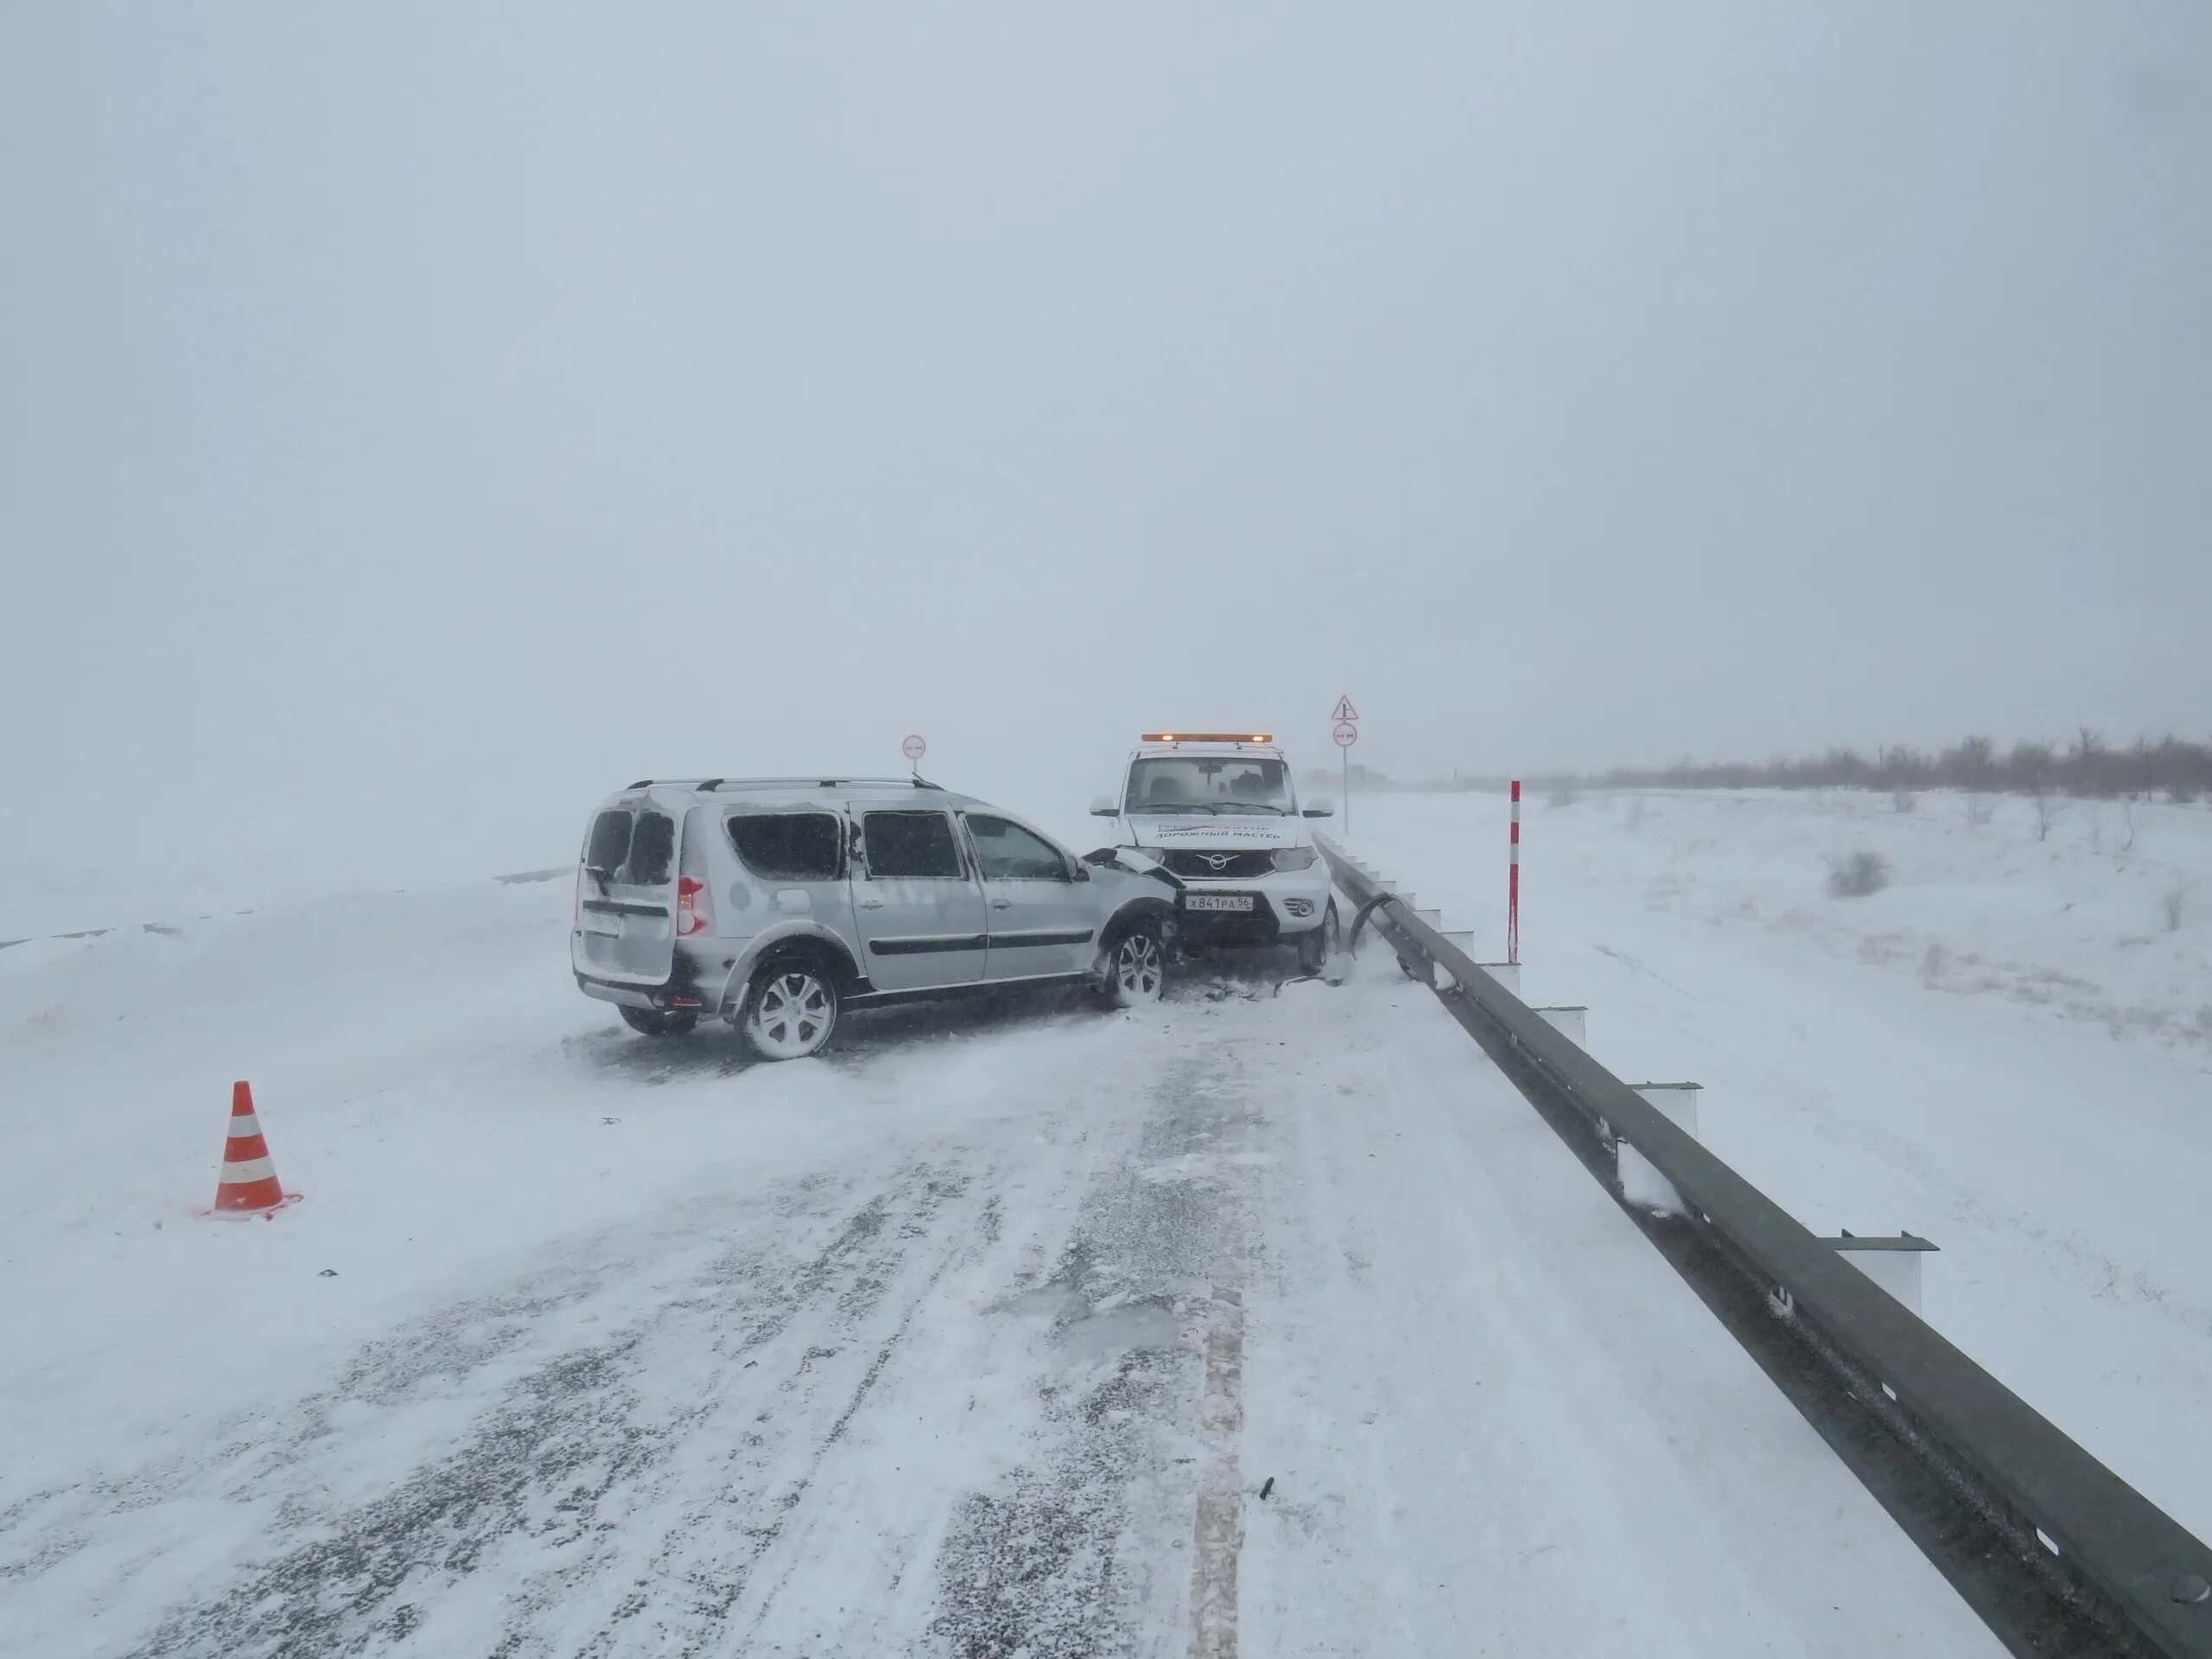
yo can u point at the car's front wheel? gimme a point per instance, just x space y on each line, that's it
791 1010
1136 967
657 1022
1316 946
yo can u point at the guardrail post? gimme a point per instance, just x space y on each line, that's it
1642 1185
1507 974
1571 1022
1892 1263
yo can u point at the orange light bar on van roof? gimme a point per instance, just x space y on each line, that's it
1206 737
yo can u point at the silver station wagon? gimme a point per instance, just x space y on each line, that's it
777 903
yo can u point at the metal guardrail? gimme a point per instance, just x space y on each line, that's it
2055 1552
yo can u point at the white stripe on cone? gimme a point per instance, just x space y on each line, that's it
242 1127
239 1173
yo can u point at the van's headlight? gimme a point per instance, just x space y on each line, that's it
1293 858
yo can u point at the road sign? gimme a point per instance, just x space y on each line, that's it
914 747
1344 710
1346 733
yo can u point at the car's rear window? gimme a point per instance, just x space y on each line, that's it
635 849
788 846
652 850
610 843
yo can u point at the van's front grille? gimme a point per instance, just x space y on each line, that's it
1238 866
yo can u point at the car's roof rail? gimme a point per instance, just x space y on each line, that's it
817 782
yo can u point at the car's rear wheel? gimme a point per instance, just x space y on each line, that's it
1318 945
1136 967
791 1010
658 1022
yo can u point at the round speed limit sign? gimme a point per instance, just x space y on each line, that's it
914 749
1346 733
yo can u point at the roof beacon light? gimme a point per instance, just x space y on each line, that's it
1205 737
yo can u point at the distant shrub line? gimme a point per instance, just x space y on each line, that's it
2089 767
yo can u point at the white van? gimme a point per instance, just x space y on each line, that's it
1220 811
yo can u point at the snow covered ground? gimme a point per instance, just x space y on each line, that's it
2008 1050
980 1337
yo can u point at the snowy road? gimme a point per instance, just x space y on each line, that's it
981 1338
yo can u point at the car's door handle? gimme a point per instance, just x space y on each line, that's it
871 904
1002 903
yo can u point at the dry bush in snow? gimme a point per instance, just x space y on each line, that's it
1854 875
2046 811
2176 897
1977 811
1902 801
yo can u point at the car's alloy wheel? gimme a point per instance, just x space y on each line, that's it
792 1012
1137 970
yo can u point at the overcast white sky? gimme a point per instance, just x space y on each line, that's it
508 401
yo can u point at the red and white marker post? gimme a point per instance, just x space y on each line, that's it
1513 883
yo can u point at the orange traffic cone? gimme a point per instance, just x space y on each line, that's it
249 1184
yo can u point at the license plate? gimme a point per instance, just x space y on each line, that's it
606 922
1217 901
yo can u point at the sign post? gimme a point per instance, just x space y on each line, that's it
1346 733
914 749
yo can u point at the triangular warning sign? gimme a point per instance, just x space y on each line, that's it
1344 710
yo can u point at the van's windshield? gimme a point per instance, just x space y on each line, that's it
1208 783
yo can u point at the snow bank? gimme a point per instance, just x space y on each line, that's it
2007 1051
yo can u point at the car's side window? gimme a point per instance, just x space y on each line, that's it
789 846
910 844
1007 852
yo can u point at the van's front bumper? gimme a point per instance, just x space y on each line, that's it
1283 905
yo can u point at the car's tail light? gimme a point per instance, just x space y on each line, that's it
693 913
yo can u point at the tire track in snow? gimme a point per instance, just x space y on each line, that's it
1076 1553
1219 1536
560 1462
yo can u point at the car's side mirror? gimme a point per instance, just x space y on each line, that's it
1081 871
1323 807
1102 806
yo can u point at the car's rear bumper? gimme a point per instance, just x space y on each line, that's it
630 996
679 992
